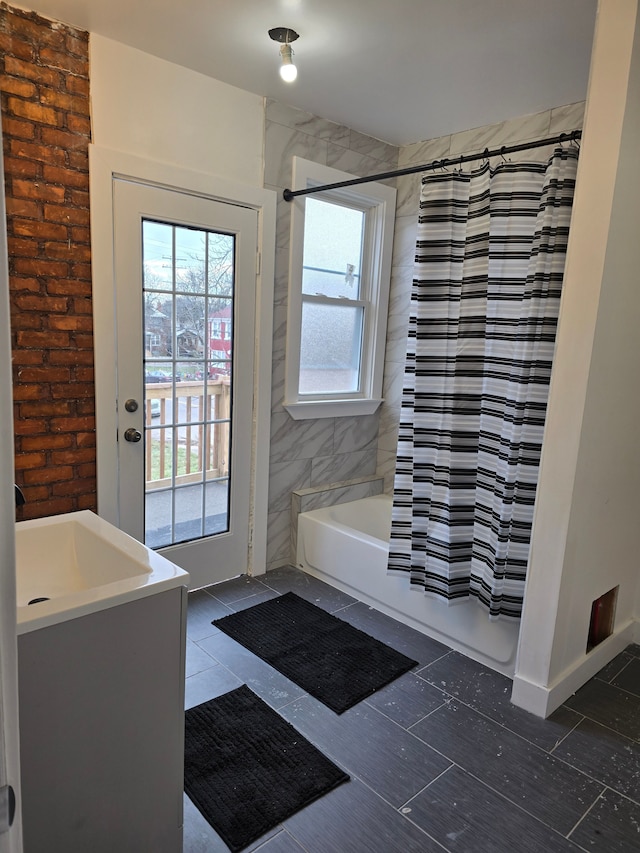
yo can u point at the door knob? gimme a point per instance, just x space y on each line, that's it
132 434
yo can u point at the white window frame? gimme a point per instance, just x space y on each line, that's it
378 201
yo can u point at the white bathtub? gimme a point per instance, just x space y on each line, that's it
348 545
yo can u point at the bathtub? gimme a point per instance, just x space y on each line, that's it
348 546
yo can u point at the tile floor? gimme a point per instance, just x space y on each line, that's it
440 759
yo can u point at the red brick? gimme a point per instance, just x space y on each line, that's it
72 391
73 487
67 251
27 392
17 127
81 271
27 356
88 501
25 168
37 266
79 159
17 246
63 61
20 66
33 151
35 493
70 357
73 457
83 374
54 506
13 47
82 306
86 439
72 424
86 407
77 85
71 324
24 322
35 29
23 207
33 302
67 215
34 112
83 341
29 460
69 287
61 101
40 340
87 469
31 426
80 234
44 408
46 442
66 177
79 124
79 198
49 474
39 230
38 190
23 283
43 374
15 86
63 138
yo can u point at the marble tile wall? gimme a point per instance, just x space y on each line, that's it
311 454
513 131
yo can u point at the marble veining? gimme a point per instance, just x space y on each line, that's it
300 439
344 466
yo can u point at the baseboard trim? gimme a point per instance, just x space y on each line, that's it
543 700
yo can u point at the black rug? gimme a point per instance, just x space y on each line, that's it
327 657
246 769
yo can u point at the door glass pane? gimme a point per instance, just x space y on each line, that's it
332 252
188 279
331 344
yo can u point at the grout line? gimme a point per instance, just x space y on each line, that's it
577 824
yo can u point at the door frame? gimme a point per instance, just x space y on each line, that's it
104 165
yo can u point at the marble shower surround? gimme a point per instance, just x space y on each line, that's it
524 129
311 454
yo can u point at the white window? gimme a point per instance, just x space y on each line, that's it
339 272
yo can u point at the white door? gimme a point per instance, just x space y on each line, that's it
185 269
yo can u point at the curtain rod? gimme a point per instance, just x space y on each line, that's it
289 195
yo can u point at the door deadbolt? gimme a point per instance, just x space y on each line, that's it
131 405
132 434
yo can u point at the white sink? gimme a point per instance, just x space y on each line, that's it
79 564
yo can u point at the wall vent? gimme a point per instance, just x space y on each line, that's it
603 611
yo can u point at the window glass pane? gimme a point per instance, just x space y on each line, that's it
220 324
190 253
220 249
157 255
190 326
330 349
332 244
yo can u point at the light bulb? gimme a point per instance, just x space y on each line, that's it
288 70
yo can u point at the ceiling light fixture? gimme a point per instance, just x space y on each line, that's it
285 36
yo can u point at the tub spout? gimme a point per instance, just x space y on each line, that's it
20 498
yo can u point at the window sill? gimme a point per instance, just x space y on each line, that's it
300 411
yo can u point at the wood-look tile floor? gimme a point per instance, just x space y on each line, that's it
440 759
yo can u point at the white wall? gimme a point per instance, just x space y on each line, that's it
152 108
584 539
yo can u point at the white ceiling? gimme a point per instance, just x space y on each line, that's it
399 70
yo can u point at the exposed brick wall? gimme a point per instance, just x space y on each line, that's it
44 90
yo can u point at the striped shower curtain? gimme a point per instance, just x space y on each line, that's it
490 258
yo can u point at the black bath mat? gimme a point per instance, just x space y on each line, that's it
327 657
246 769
